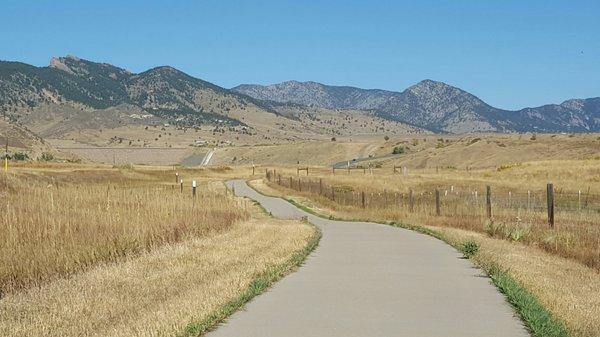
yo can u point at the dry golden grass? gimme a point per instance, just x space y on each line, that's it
576 234
490 150
307 152
98 251
56 221
566 288
421 151
159 292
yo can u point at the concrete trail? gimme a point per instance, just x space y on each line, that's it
207 158
368 279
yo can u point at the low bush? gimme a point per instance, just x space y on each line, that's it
398 150
469 248
47 156
20 156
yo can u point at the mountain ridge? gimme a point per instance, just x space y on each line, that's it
169 93
74 99
88 85
436 106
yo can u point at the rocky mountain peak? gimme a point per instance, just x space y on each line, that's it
429 88
84 68
58 63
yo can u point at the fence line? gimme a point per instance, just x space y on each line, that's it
451 200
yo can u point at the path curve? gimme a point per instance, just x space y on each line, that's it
368 279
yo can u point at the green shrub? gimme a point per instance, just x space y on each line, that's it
398 150
47 156
469 248
20 156
491 228
516 232
519 232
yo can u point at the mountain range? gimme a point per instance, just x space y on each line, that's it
162 91
436 106
88 92
98 104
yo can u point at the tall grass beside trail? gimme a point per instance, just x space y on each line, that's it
516 217
56 224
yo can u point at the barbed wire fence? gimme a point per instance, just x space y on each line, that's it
453 200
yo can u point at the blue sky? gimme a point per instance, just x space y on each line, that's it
510 53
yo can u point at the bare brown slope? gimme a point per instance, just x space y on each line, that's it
20 139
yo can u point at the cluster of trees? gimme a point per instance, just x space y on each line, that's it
21 156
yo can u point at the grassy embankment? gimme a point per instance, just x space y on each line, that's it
100 251
518 201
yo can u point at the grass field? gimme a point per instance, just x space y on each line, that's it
126 245
419 151
64 222
518 200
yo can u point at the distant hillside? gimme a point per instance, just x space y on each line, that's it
20 139
436 106
163 91
98 103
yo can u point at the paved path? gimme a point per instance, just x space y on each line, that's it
356 161
369 279
207 158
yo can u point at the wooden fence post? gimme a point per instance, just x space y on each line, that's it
320 186
411 201
362 197
291 186
488 201
385 201
437 202
181 185
299 185
194 188
550 197
176 177
587 196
